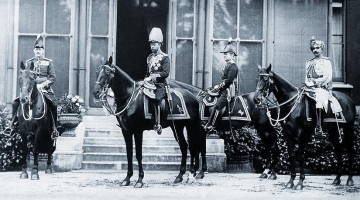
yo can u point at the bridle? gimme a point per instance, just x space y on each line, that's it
30 103
265 92
110 73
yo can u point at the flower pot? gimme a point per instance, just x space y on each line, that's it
69 120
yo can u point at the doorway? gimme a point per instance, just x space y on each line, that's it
135 19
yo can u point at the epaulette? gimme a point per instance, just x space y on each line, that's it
326 58
311 59
47 59
164 54
30 60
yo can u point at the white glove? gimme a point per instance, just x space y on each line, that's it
309 84
41 86
147 78
216 86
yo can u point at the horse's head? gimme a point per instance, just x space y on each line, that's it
264 84
104 74
26 82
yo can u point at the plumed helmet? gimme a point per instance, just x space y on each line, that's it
39 42
229 48
316 43
156 35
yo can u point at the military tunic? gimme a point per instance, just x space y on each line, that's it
45 74
228 75
319 71
159 67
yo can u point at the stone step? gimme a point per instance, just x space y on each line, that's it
121 141
147 157
122 148
108 132
147 166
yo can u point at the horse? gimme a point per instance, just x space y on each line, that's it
297 129
257 115
130 110
35 122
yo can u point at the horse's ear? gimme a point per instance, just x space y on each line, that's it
268 69
22 66
110 60
32 66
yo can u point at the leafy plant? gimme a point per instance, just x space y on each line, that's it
10 145
70 104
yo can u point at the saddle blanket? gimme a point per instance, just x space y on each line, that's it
238 109
179 109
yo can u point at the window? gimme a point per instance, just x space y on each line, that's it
54 21
336 37
243 21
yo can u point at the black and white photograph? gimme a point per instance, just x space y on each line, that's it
179 99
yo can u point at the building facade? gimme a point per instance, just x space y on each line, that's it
81 34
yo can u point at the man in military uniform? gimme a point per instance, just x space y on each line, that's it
158 70
45 77
319 78
229 74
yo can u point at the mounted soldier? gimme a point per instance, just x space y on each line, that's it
318 79
45 77
226 89
158 64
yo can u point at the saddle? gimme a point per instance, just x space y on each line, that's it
238 108
173 106
333 112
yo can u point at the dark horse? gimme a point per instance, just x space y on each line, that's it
130 115
297 129
261 123
35 122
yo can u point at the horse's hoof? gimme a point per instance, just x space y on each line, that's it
48 171
125 183
263 175
201 175
34 176
272 177
336 182
178 180
24 175
350 182
191 178
138 184
299 186
289 185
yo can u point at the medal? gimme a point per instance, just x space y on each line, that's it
156 68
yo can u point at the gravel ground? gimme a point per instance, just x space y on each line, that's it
158 185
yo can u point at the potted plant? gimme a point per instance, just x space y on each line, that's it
70 110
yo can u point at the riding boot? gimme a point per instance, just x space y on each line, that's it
211 124
318 129
14 119
157 126
55 132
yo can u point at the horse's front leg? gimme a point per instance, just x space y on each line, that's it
129 154
24 174
290 184
35 171
48 169
301 153
183 148
138 145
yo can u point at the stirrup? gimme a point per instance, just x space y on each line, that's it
54 134
318 130
158 129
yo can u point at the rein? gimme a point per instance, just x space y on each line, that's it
106 104
30 110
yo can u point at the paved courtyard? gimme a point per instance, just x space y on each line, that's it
158 185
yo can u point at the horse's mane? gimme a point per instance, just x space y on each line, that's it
283 80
